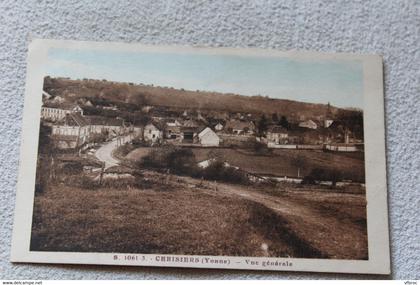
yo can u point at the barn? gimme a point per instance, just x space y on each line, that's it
208 137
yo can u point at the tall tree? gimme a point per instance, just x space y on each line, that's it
275 117
284 122
262 125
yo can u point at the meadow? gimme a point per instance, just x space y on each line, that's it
183 215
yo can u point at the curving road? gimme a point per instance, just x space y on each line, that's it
104 153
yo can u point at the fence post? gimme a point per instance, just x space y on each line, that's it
102 173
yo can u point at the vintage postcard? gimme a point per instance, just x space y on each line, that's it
179 156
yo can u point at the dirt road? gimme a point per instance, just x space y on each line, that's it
104 153
328 231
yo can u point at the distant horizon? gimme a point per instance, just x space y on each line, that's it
338 82
205 91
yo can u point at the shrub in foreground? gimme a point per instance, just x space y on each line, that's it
181 161
321 174
219 171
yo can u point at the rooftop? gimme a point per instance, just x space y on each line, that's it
104 121
276 129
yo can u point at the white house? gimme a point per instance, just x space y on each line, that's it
45 95
152 133
309 124
58 112
238 127
71 132
88 103
101 125
328 123
136 130
218 127
208 137
277 135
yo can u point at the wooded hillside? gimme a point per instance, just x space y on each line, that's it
179 98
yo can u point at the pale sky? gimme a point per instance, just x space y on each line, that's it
339 82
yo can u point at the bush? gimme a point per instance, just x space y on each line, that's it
308 180
98 137
120 183
181 161
156 158
214 171
82 181
138 142
258 147
322 174
220 172
72 168
123 150
176 160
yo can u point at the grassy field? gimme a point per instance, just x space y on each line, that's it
280 161
151 221
189 216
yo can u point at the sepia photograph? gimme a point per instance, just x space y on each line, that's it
163 153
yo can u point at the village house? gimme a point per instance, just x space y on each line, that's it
46 96
189 131
56 112
208 137
106 125
173 129
328 123
238 127
111 107
277 135
309 124
218 127
146 109
71 132
152 133
136 130
57 100
201 118
88 103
